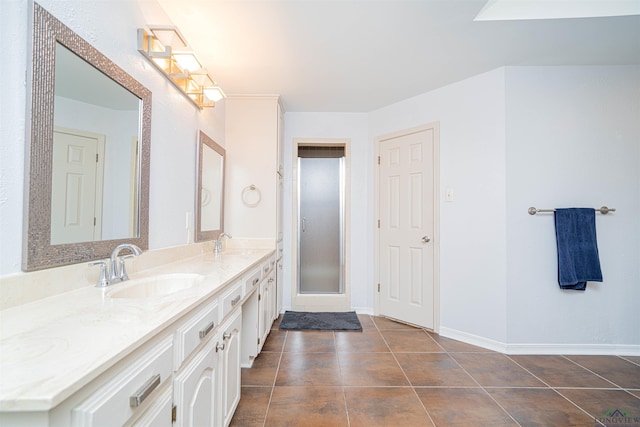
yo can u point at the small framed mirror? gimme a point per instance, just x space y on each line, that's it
209 209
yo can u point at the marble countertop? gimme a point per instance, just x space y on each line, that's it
51 348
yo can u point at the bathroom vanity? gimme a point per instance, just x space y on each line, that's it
164 348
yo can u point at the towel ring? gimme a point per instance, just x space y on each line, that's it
251 192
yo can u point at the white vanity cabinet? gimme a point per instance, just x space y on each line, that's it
177 363
207 386
207 389
258 310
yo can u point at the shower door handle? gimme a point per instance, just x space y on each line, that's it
304 224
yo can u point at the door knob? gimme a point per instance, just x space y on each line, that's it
426 239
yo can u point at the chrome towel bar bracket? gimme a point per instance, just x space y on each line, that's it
603 210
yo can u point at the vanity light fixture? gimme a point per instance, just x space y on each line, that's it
168 51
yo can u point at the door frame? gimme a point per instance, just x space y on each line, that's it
435 126
321 302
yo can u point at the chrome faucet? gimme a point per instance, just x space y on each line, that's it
118 272
115 272
217 244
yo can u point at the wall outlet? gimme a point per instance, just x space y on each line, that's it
448 195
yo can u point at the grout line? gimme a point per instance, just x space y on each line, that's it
275 378
344 394
415 393
593 372
552 388
629 360
484 389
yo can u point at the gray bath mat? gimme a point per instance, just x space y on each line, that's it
302 320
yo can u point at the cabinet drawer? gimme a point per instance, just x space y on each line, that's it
253 280
232 298
118 400
159 412
198 327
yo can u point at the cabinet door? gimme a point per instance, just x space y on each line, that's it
273 304
195 392
265 312
230 367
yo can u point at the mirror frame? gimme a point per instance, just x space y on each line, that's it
200 235
38 252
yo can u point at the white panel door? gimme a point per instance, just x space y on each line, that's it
407 225
76 197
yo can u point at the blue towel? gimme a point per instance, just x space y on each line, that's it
578 261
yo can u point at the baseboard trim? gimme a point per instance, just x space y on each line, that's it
582 349
473 339
363 310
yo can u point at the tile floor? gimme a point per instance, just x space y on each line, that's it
394 375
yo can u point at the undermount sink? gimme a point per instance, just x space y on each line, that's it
156 286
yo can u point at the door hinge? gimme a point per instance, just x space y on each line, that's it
96 157
378 287
378 159
174 414
94 221
258 341
259 297
378 223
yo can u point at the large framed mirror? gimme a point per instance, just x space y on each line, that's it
209 210
87 166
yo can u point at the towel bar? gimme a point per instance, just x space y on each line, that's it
603 210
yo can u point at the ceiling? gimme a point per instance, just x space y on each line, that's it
360 55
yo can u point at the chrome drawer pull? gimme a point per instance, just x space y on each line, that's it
235 300
255 281
219 347
226 336
144 391
205 331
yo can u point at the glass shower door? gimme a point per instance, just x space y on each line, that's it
320 223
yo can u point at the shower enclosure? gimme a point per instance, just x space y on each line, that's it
321 218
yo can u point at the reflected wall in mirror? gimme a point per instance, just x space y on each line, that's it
209 210
94 118
88 156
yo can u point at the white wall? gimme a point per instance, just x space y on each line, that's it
175 121
354 127
573 139
472 227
